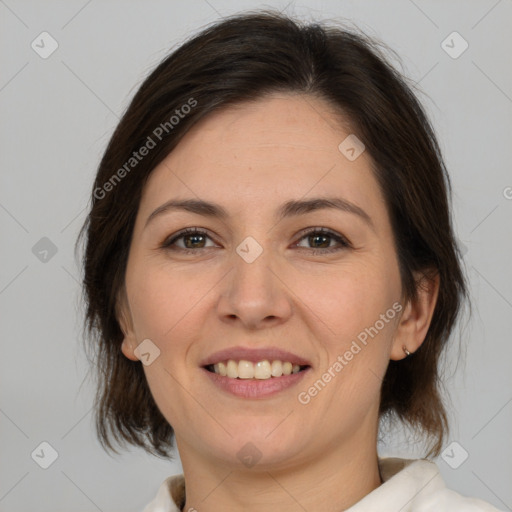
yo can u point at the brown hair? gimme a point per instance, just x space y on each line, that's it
242 58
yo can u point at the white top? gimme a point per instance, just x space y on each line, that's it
408 486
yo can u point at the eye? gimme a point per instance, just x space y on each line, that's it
322 237
193 239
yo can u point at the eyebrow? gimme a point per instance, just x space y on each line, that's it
289 209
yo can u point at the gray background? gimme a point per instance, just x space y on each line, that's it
56 117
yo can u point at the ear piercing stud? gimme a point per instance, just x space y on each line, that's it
407 353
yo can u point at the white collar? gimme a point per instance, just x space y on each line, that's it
408 485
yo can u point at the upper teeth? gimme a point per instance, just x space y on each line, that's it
248 370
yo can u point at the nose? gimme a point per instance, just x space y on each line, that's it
255 295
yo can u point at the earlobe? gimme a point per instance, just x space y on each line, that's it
127 350
415 320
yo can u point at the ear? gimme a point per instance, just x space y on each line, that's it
124 317
417 315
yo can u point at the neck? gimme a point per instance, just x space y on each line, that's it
334 481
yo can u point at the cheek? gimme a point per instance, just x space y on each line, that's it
168 308
361 323
351 301
164 302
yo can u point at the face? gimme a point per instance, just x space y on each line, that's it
321 283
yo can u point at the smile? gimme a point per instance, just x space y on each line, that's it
254 373
261 370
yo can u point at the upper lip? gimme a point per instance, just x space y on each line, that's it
254 355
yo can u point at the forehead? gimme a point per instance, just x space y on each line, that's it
277 122
283 142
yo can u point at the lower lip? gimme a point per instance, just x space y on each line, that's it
255 388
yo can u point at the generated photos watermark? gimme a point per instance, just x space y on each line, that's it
304 397
151 142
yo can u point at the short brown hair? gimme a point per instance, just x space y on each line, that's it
243 58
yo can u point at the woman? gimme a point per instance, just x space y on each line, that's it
220 323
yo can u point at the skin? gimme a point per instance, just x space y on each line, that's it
250 159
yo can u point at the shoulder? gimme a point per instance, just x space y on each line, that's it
170 496
446 499
421 483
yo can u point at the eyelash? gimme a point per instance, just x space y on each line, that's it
345 244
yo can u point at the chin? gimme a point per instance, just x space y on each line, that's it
253 447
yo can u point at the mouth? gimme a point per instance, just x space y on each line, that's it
254 373
259 370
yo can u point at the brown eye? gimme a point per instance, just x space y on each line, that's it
321 239
193 239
